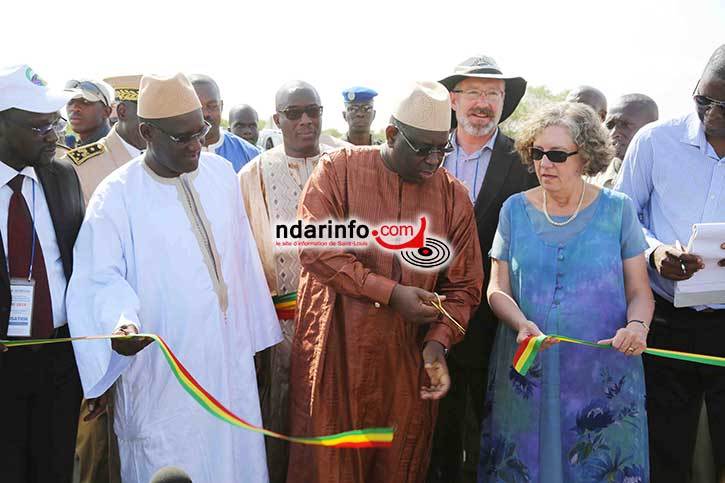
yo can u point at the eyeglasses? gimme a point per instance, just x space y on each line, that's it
707 102
185 138
88 86
355 108
475 94
295 113
58 125
426 151
553 156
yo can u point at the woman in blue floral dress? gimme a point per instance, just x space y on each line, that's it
568 259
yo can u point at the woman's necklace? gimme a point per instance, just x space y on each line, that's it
576 212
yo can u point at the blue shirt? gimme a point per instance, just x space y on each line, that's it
675 179
234 149
470 168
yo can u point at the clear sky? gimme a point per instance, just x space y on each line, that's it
251 47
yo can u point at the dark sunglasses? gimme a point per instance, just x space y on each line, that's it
185 138
355 108
426 151
295 113
704 101
88 86
553 156
58 126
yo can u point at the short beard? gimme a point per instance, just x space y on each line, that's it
475 131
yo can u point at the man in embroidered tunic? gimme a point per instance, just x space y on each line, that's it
271 186
369 347
166 248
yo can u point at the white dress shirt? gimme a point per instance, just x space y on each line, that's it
44 229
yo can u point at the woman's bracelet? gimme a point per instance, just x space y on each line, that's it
638 322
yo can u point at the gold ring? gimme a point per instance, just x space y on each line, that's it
630 350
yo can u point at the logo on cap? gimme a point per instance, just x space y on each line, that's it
350 96
34 78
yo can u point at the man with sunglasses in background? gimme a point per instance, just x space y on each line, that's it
359 114
484 159
369 349
89 109
96 447
229 146
166 248
271 185
674 171
41 209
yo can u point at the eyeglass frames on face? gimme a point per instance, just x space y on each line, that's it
355 108
554 156
295 113
426 151
58 125
185 138
708 102
491 95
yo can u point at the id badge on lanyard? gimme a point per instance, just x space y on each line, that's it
22 292
20 323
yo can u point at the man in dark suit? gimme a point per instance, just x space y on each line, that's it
41 210
485 161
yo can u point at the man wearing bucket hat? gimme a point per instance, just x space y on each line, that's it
483 158
368 349
89 109
41 209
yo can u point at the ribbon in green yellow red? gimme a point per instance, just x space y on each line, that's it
527 350
362 438
285 305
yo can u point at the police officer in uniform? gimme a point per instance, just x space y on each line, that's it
359 114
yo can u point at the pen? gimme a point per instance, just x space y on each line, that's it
678 245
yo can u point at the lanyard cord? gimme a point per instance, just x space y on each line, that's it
475 176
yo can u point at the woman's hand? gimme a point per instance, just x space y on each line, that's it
630 340
528 329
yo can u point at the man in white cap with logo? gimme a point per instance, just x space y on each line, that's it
369 346
483 158
166 248
41 209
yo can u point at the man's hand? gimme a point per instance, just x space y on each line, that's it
129 347
96 407
413 304
434 358
530 329
675 264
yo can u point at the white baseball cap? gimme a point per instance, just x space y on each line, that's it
21 88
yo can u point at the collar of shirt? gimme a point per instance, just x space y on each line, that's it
7 173
694 135
132 150
213 147
465 156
